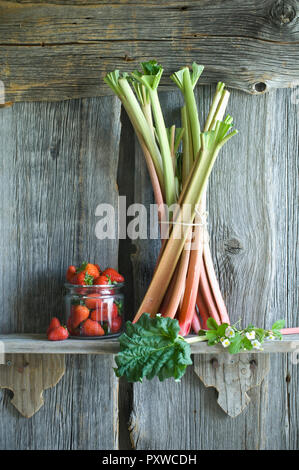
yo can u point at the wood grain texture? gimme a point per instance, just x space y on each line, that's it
38 344
27 376
232 377
57 163
253 225
50 51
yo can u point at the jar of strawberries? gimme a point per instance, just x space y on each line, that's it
94 302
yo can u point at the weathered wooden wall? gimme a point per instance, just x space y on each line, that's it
62 49
58 161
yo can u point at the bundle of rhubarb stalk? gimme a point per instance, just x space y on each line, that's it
179 160
184 294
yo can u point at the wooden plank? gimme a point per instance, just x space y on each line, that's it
253 231
38 344
50 52
233 377
27 376
58 162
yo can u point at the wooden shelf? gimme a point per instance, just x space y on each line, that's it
30 364
38 344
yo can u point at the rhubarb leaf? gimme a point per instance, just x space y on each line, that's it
152 347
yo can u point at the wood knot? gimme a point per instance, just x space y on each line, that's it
233 246
128 58
260 87
283 12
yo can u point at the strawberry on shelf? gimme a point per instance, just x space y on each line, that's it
91 328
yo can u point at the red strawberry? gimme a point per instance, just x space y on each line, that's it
98 268
113 275
91 328
76 280
69 325
110 312
89 269
93 301
71 271
55 323
101 281
58 334
105 313
82 279
79 314
115 324
95 315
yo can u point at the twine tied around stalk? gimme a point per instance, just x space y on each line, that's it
202 215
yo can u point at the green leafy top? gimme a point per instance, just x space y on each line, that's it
151 67
152 347
151 76
82 267
178 77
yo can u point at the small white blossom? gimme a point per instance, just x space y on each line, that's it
250 335
270 337
225 342
229 332
257 345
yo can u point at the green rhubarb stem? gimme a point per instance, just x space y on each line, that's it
187 147
214 105
169 180
147 111
154 180
140 123
208 280
194 339
146 108
156 183
178 138
210 147
192 113
220 110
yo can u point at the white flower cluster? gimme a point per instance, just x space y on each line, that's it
255 343
230 333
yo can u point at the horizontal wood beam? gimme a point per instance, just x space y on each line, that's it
38 344
62 50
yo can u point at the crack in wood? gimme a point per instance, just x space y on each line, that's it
134 40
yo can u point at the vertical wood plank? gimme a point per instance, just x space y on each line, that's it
58 162
253 229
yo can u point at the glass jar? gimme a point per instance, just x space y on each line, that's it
94 311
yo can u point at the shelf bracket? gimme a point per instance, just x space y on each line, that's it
27 376
232 376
